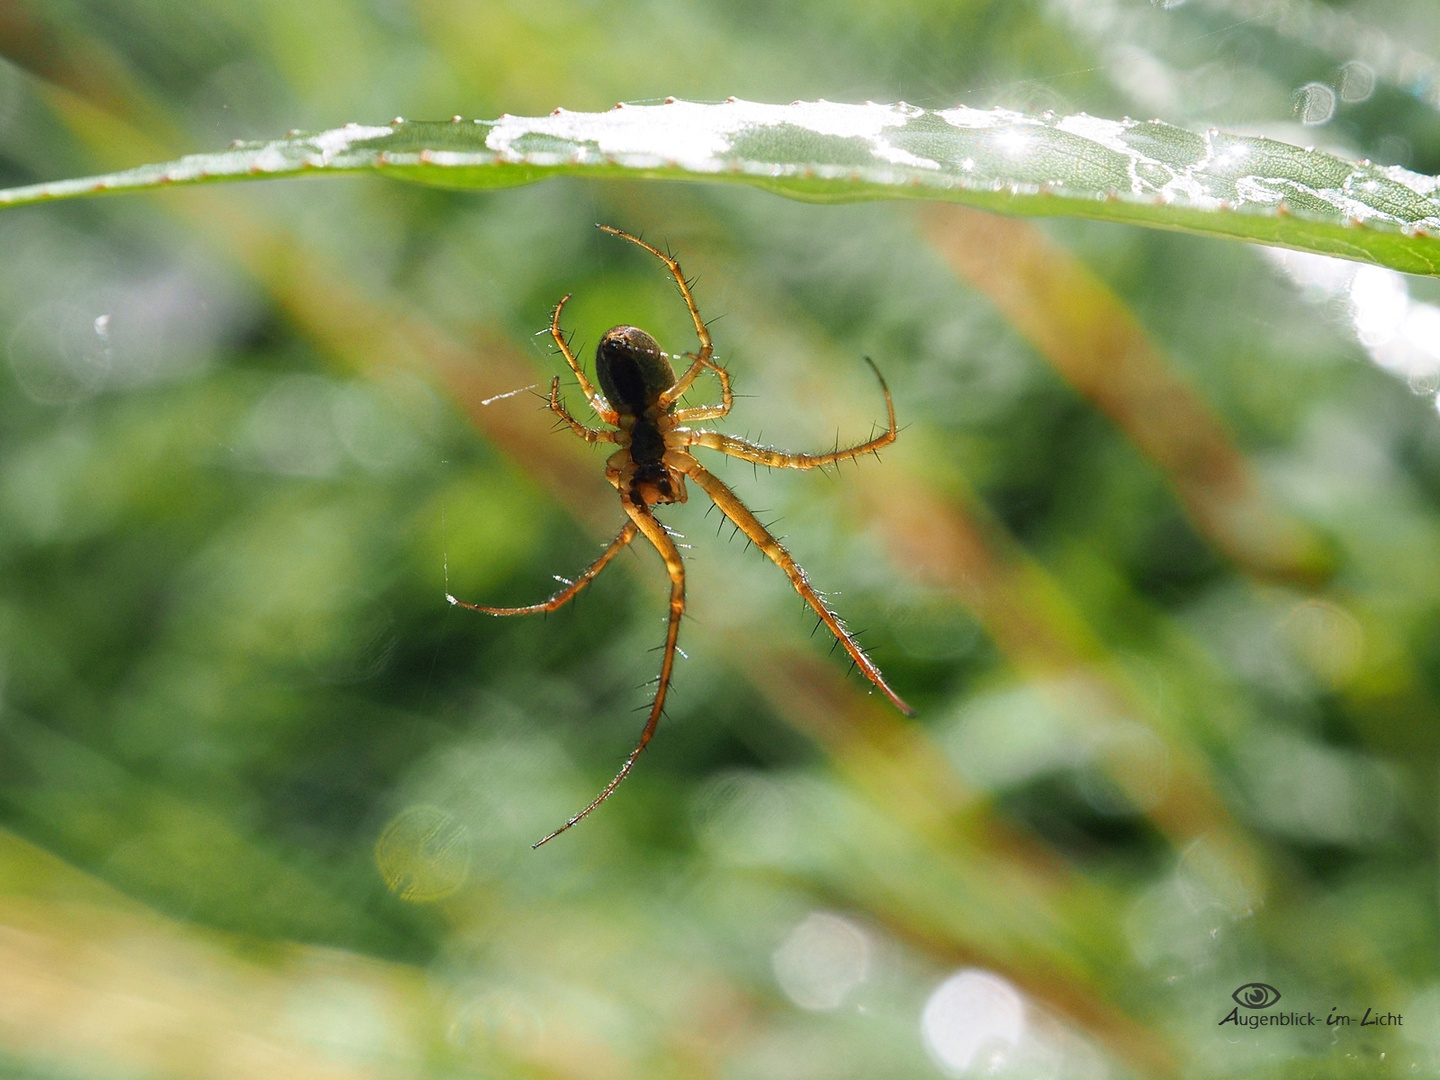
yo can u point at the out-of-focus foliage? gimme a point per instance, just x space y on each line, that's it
1155 557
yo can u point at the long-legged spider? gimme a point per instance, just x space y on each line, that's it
650 467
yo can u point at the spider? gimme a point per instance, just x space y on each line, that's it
649 468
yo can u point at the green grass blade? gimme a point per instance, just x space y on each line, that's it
1145 173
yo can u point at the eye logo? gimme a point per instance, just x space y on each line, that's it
1256 995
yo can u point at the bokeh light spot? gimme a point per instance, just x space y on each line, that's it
821 961
59 355
1357 81
290 431
972 1022
423 854
1327 637
1314 103
1379 302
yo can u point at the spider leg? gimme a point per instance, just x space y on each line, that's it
642 519
566 594
731 506
590 435
598 403
708 412
707 348
783 459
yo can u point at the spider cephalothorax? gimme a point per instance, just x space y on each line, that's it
651 463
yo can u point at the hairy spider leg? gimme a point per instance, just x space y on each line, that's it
707 412
707 348
641 518
566 594
591 435
731 506
782 459
599 404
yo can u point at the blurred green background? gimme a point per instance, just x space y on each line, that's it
1157 558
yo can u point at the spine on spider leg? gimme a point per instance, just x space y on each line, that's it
757 534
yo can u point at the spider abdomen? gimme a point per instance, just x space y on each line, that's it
632 369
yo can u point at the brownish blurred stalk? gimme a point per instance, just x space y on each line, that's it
1095 343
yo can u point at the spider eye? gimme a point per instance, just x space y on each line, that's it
1256 995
